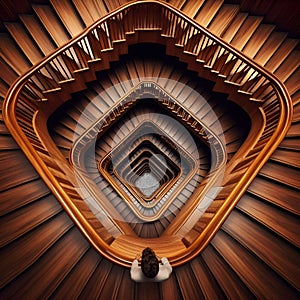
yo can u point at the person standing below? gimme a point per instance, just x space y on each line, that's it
150 270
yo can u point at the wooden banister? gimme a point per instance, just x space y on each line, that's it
211 53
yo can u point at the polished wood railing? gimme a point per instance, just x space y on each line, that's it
125 103
27 99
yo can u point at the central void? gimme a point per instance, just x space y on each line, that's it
147 184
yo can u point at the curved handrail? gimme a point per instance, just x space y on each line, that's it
164 97
28 85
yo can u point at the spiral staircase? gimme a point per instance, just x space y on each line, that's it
217 90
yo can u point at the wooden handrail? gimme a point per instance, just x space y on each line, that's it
235 68
163 97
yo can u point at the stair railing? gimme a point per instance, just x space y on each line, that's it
24 100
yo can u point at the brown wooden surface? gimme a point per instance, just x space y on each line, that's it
61 264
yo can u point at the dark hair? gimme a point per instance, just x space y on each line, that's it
149 264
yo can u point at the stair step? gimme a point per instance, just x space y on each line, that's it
289 66
244 229
223 18
258 39
281 54
191 8
217 264
245 32
25 42
178 3
293 85
271 192
90 11
278 171
52 24
68 16
233 27
265 52
38 33
7 74
12 55
275 219
207 12
243 262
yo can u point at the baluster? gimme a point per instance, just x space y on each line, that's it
179 32
193 42
264 92
121 28
60 64
39 81
54 73
228 65
128 20
212 55
32 92
81 56
250 81
233 74
220 60
87 48
201 53
240 73
115 29
104 37
173 23
94 45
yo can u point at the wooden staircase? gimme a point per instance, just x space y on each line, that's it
67 119
255 254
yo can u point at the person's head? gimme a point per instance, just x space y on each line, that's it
149 264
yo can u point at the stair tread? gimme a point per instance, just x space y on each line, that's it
90 11
288 157
258 39
7 74
230 283
223 18
248 232
274 218
233 27
38 33
270 46
68 16
30 191
292 83
48 232
188 283
242 262
245 32
28 218
12 55
86 267
208 11
191 8
289 66
52 24
43 268
279 172
25 42
178 3
285 48
272 192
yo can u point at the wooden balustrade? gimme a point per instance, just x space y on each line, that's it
187 37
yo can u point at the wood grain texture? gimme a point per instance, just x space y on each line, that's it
46 256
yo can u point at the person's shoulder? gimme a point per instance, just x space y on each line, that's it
164 260
135 263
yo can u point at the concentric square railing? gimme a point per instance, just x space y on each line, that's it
29 99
